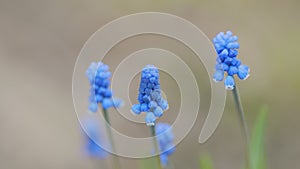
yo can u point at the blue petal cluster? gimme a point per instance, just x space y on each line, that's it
165 139
150 99
227 47
94 134
99 75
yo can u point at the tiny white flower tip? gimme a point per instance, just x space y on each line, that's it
229 87
150 124
215 80
246 77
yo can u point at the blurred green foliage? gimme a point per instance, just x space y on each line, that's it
256 149
148 163
257 159
206 162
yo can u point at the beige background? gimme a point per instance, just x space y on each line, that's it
39 43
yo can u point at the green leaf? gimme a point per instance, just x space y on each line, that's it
206 162
256 145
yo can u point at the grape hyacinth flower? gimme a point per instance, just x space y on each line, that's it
165 140
100 93
227 46
149 97
93 136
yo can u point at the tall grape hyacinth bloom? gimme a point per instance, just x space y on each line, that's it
165 140
227 46
149 97
151 102
100 93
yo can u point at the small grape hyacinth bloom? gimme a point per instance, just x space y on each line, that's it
99 75
227 46
93 136
165 138
149 97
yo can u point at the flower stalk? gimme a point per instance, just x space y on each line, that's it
156 149
116 162
240 110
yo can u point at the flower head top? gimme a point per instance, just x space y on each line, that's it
99 77
150 99
227 46
93 136
165 140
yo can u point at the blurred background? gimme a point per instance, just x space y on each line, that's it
40 41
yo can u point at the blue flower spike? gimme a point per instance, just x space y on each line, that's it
99 75
149 97
227 46
93 136
165 138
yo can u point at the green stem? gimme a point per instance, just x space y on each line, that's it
239 108
116 161
155 146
